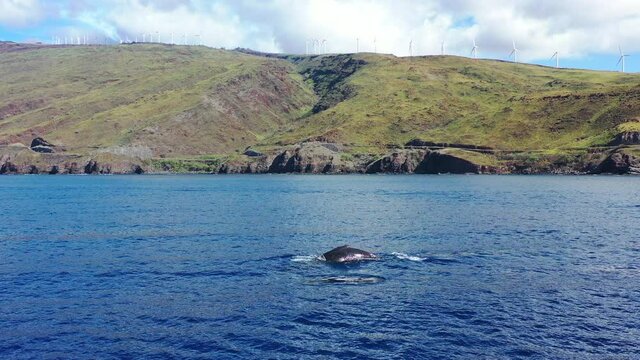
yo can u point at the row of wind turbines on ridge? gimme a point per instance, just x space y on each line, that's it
175 39
556 55
315 47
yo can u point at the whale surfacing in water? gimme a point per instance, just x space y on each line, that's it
346 253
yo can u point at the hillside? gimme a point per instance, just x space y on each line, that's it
196 109
482 102
171 100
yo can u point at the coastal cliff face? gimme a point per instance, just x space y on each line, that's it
327 158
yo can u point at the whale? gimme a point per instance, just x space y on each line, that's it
345 253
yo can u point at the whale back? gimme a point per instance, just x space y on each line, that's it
345 253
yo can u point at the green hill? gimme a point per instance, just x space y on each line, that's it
482 102
168 106
170 99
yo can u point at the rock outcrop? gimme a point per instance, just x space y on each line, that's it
400 162
22 160
439 163
626 138
619 162
41 145
252 153
426 162
8 167
258 166
310 158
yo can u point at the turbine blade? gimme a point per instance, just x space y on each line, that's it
619 60
512 51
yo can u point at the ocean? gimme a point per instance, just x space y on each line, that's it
221 267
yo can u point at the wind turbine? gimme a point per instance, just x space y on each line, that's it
375 46
514 52
474 50
442 49
324 46
410 47
357 45
555 55
622 56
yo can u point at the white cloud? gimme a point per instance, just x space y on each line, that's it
539 27
19 12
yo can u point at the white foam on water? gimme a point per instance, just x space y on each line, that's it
305 258
352 279
403 256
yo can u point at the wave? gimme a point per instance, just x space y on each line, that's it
306 258
403 256
348 280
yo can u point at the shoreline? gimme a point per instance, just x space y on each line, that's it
317 157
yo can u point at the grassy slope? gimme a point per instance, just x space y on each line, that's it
182 101
492 103
173 100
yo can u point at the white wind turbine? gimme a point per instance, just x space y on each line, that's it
622 56
324 46
442 48
474 50
357 45
555 55
375 46
514 53
410 47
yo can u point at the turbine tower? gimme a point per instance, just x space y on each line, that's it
375 46
442 49
474 50
622 56
357 45
514 52
555 55
410 47
324 46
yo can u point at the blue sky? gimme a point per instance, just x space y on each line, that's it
586 33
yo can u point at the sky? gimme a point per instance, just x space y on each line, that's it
586 33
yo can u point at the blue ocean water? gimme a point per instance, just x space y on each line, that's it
225 267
